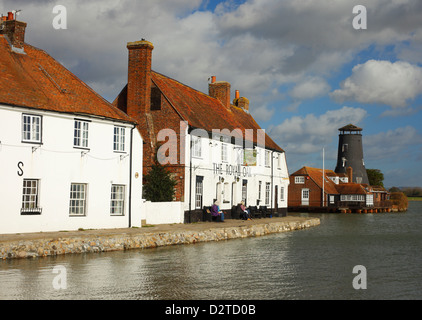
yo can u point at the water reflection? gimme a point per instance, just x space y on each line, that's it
310 264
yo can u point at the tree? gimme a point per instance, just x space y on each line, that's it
159 184
394 189
400 200
375 177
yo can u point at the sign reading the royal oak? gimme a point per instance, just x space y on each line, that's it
231 170
237 170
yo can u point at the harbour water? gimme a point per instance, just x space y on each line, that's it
315 263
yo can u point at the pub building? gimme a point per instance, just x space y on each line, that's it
211 144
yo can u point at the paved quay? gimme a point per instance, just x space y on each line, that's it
41 244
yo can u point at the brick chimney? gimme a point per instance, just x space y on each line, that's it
14 30
241 102
220 90
350 174
139 78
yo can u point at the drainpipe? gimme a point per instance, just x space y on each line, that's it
272 184
190 177
130 177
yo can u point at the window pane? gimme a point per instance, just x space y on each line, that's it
77 199
117 200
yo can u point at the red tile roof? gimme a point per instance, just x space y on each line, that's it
330 187
351 188
36 80
205 112
316 175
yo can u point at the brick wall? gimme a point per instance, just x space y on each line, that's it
295 192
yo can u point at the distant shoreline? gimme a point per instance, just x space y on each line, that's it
414 198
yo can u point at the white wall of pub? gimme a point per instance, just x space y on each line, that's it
223 178
56 163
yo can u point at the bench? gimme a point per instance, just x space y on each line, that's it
255 212
265 212
237 212
209 217
207 214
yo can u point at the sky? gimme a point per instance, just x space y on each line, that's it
308 67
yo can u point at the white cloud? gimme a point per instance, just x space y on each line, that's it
262 113
381 82
257 46
308 134
392 145
309 88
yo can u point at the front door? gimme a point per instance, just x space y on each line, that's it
305 197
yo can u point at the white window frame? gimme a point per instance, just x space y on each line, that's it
279 162
30 196
241 157
117 200
281 193
259 189
267 158
119 139
196 146
78 196
267 193
224 155
299 180
80 133
31 128
199 191
352 197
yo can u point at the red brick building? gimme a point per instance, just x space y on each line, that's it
163 105
318 190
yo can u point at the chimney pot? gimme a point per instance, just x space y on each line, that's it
15 32
213 79
237 95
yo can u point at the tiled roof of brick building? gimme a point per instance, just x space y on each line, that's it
330 187
351 188
316 175
205 112
34 79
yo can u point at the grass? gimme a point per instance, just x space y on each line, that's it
414 198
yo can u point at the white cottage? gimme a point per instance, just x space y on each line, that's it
68 158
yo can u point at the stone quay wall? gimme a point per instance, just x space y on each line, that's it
105 242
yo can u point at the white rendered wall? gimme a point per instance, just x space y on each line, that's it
163 212
57 164
214 170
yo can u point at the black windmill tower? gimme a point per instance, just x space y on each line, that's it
350 153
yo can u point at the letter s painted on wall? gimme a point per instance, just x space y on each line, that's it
20 167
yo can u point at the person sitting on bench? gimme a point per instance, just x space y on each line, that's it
246 212
216 212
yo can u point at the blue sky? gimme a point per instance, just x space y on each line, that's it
302 65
